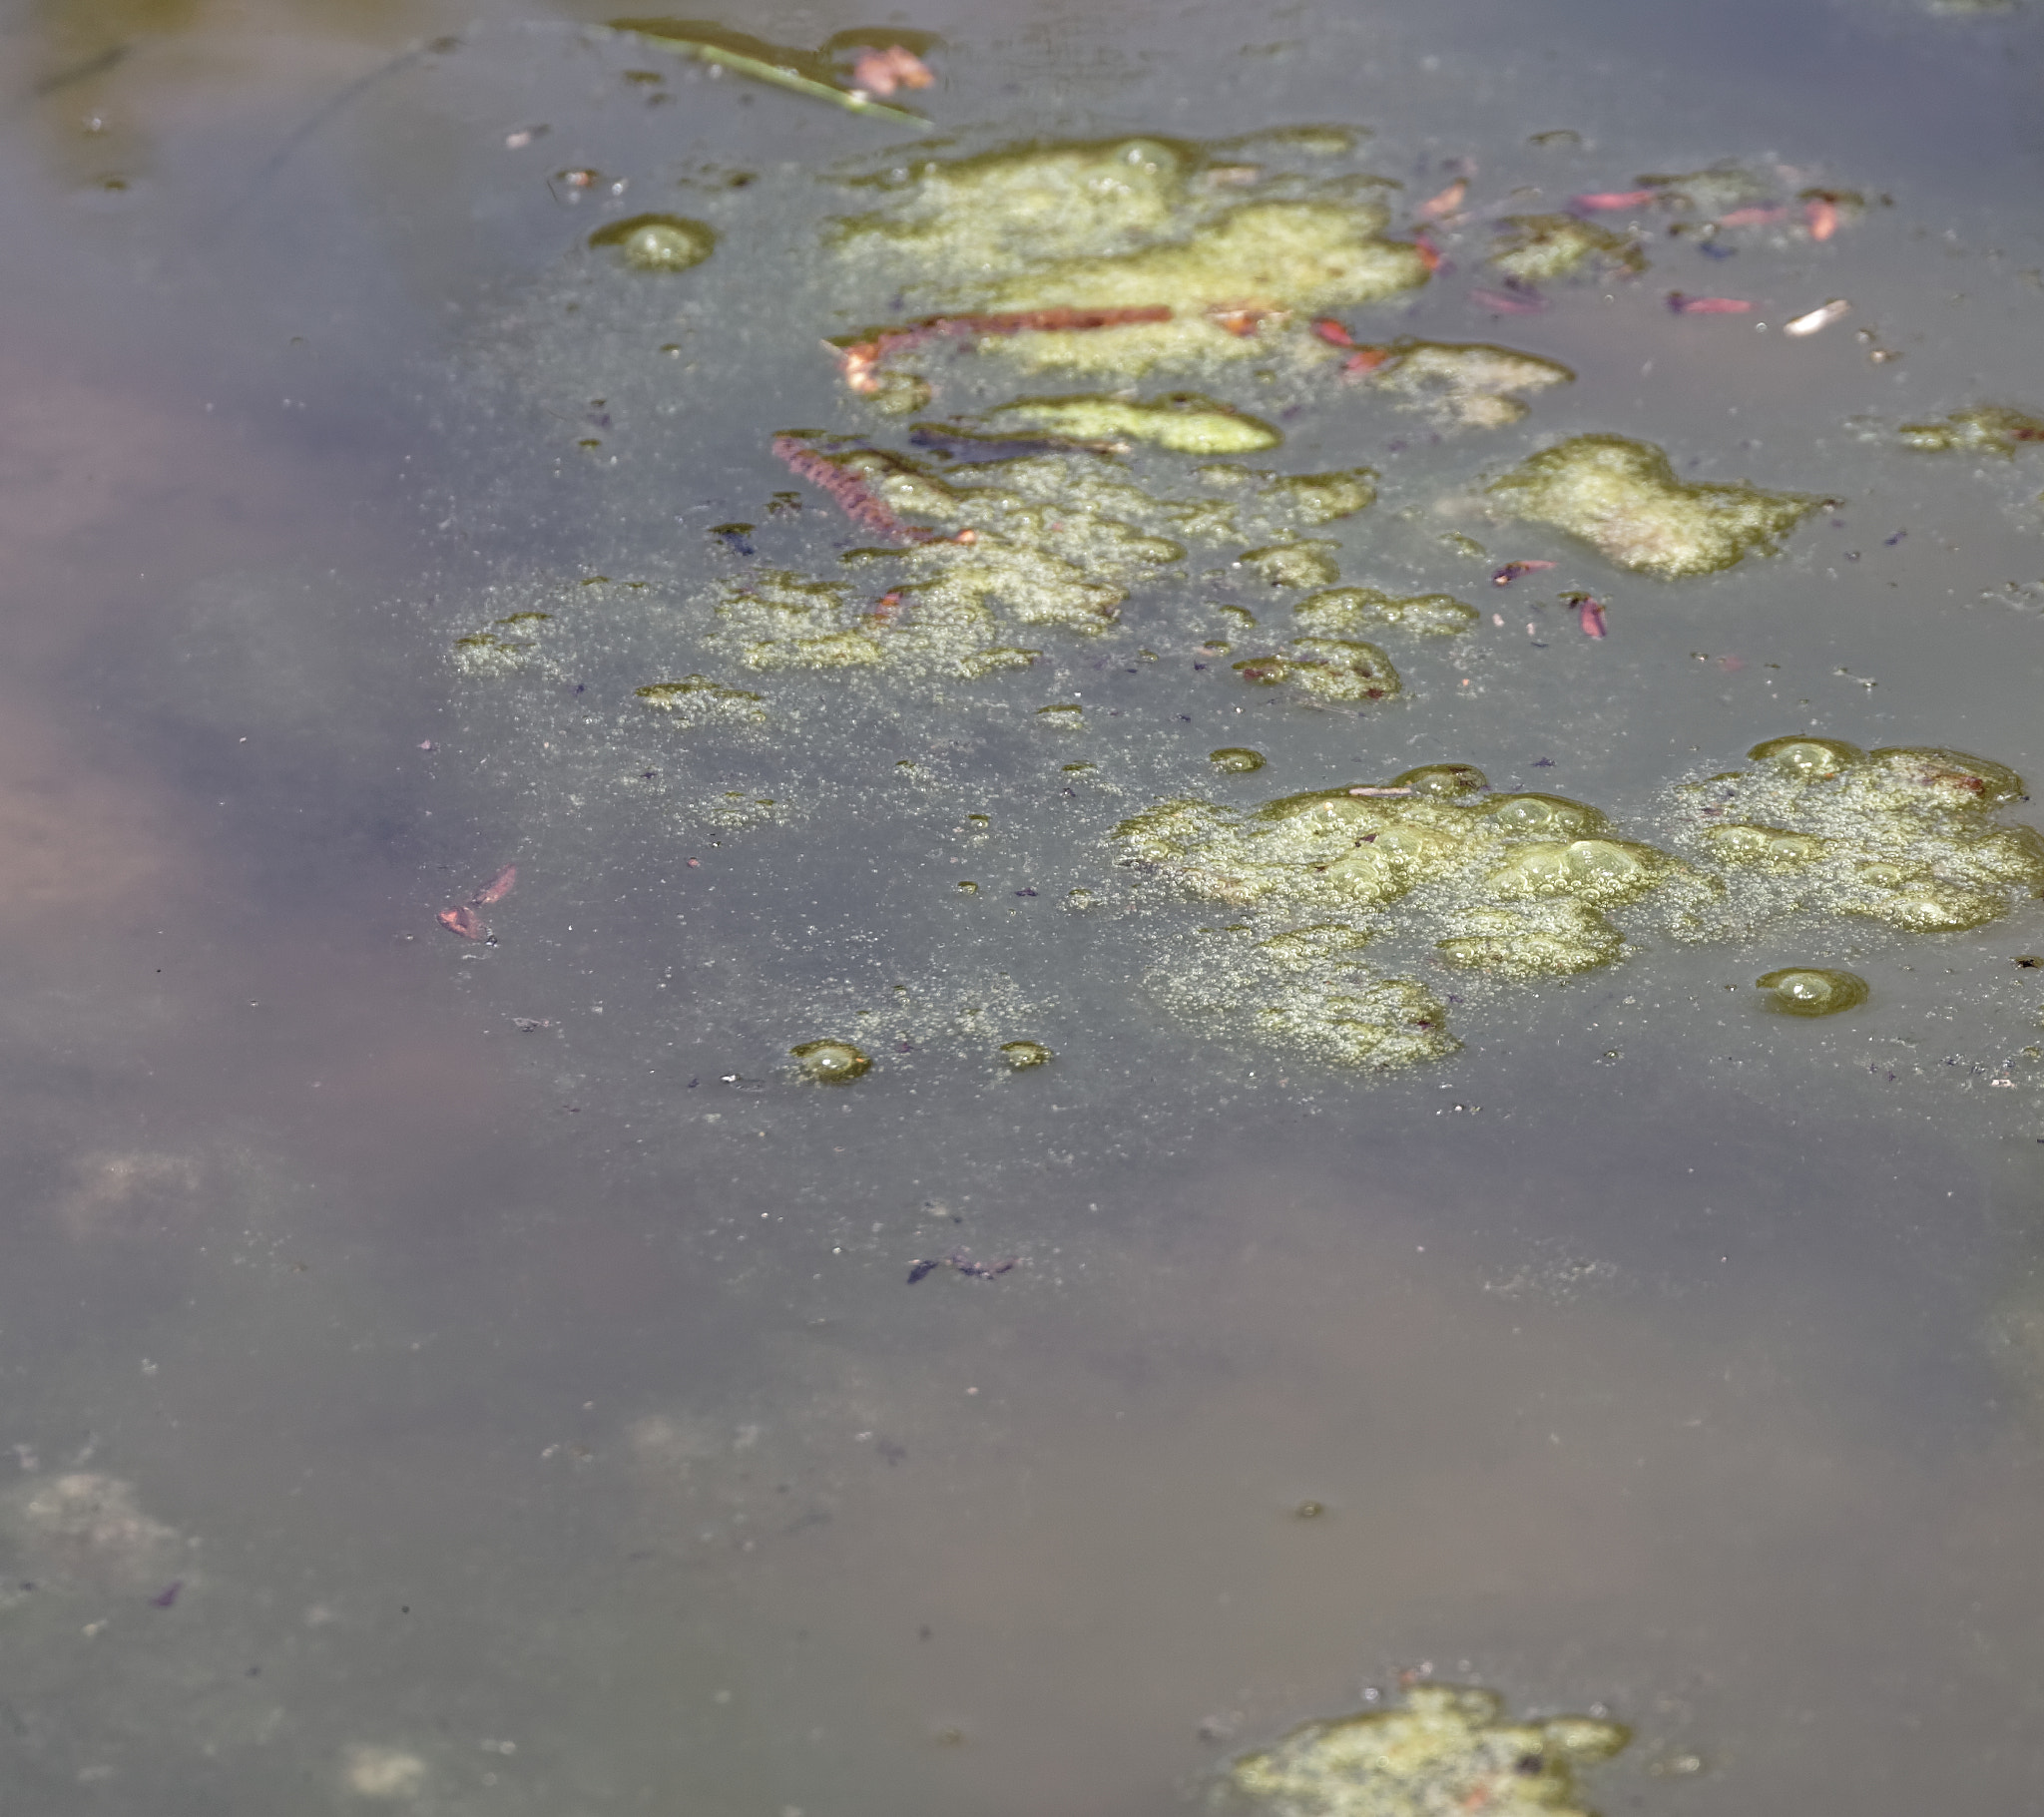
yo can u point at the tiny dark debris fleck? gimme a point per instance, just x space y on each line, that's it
958 1259
2029 961
1529 1764
1025 892
168 1595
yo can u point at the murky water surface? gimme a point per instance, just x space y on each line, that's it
470 1350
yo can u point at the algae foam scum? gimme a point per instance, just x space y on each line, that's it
1446 1752
1087 403
1624 500
1816 840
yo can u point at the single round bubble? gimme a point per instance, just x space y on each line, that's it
1810 991
1605 863
1236 760
1446 781
656 242
1022 1055
1536 869
831 1063
1812 759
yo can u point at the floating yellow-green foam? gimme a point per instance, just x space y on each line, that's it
1538 249
1448 1752
1623 499
1984 429
1184 423
1466 385
1818 828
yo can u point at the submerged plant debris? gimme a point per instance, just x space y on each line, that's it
782 66
1446 1752
1623 498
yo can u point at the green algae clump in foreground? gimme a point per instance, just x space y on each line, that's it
1447 1752
1623 498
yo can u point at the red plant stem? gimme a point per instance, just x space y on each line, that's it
863 358
855 495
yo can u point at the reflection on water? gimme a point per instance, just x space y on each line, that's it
829 1292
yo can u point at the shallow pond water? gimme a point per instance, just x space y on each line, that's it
722 1101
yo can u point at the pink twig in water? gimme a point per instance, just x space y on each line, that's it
1511 570
1506 303
496 889
862 360
1605 200
1707 306
853 492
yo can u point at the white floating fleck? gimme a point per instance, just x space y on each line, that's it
1821 317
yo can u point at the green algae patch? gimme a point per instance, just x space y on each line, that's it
1504 889
831 1063
1811 991
1304 562
984 550
655 243
1540 248
1336 670
697 701
1550 940
1346 608
1445 1752
1469 385
1985 429
1020 1055
1266 256
1267 500
1182 423
1236 760
1818 830
1623 499
1122 256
